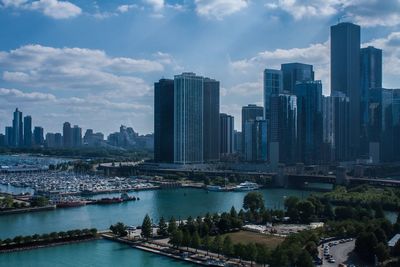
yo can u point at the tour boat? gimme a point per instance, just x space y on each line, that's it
246 186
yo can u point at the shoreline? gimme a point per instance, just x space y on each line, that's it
28 210
54 244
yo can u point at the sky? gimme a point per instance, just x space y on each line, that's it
94 63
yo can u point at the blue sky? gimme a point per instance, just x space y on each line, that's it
93 63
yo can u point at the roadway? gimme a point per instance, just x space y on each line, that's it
341 254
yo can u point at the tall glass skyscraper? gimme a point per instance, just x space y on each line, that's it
273 84
164 120
67 134
249 113
18 136
296 72
345 73
28 131
188 118
309 121
226 129
211 120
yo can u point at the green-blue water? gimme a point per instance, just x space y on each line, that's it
175 202
99 253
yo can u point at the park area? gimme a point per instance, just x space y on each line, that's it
246 237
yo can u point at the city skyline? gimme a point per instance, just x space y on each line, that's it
102 79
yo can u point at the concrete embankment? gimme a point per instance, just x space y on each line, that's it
24 210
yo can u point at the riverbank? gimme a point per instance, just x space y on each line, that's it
27 210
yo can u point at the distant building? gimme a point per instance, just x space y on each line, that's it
28 131
50 141
255 137
9 136
76 136
58 140
67 135
38 136
2 140
283 131
273 84
371 77
93 139
237 141
296 72
18 136
345 74
164 120
249 113
309 121
211 120
226 127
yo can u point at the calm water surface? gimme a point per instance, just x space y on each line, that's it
99 253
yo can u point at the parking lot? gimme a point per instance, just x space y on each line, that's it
337 252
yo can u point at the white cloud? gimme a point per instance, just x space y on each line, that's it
367 13
125 8
19 96
156 4
77 68
219 8
52 8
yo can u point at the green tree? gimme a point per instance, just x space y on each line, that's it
186 239
227 246
172 227
147 230
18 239
306 211
365 244
40 201
206 242
251 252
253 201
291 207
176 238
262 254
239 251
381 252
217 244
162 228
118 229
195 242
379 214
305 260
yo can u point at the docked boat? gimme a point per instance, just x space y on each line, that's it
212 262
215 188
246 186
70 204
108 200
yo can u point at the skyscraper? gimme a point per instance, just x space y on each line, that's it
250 113
309 121
283 131
210 120
38 136
9 136
188 118
296 72
76 136
345 73
67 134
255 138
371 77
164 120
28 131
273 84
226 134
18 138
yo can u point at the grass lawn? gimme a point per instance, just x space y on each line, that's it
246 237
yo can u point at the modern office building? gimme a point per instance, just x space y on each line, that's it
211 125
18 135
9 136
309 121
237 141
345 74
296 72
38 136
67 135
188 118
164 120
76 136
226 142
28 131
2 140
273 84
371 77
282 147
92 139
255 138
250 113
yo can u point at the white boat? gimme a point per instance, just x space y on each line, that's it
215 188
246 186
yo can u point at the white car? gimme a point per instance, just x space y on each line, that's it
331 260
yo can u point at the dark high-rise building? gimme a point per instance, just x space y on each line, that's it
58 140
309 121
9 136
18 136
226 129
250 113
188 118
211 120
76 136
273 84
283 131
237 141
255 138
345 73
38 136
28 131
296 72
164 120
371 77
2 140
67 134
